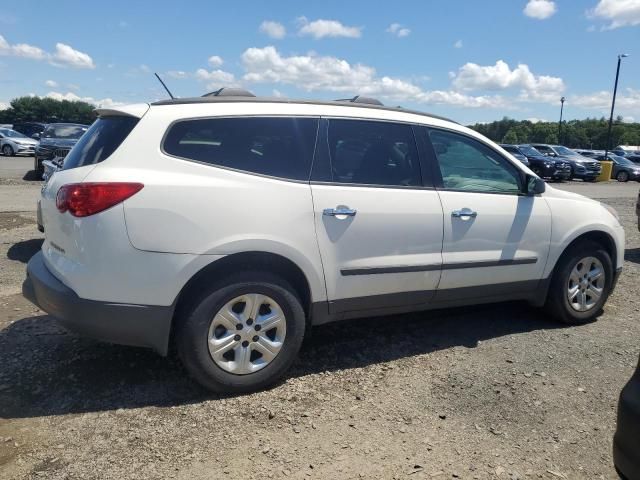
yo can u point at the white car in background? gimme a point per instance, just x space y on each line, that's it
230 225
14 143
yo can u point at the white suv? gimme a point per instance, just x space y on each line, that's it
229 225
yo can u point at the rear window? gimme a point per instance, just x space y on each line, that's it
102 138
275 146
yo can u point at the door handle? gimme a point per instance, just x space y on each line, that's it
465 212
336 212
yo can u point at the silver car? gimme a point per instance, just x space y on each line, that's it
14 143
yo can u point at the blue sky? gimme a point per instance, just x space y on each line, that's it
469 60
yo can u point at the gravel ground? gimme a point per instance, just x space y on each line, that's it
491 392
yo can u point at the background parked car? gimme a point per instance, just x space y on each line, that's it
623 169
584 168
624 150
545 167
14 143
515 151
30 129
56 141
626 441
635 158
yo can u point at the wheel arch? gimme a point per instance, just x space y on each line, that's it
600 237
252 260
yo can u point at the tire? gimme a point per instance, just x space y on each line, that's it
558 304
571 175
7 150
622 177
199 326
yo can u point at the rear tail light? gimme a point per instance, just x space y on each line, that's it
84 199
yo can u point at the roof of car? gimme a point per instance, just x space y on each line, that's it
246 99
68 124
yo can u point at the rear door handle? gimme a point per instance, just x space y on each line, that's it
336 212
465 212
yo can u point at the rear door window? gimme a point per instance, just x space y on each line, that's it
274 146
101 139
373 153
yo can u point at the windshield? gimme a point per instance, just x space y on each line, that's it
71 132
622 161
529 150
566 152
12 133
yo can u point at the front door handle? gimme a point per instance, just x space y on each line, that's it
464 213
339 211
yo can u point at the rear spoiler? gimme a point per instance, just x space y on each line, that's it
136 110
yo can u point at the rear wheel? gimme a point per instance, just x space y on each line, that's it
581 284
7 151
622 177
242 335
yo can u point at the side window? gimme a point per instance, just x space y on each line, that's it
373 153
468 165
543 149
275 146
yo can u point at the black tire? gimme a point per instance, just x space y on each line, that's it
7 150
557 303
622 177
571 175
193 331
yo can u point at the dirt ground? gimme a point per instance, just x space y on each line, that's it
491 392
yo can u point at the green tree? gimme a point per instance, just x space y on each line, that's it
48 110
511 136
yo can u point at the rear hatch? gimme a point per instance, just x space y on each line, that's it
65 247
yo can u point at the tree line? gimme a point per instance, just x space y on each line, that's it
590 133
47 110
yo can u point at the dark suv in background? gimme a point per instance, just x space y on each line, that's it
545 167
584 168
56 141
30 129
513 150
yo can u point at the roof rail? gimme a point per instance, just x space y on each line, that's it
361 99
229 92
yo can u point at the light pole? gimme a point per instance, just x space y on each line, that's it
613 104
560 122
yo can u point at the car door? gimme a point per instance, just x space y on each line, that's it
496 238
378 223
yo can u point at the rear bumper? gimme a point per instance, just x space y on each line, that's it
124 324
626 441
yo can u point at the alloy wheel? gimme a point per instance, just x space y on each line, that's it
247 333
586 284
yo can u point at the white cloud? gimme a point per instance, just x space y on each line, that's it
51 83
273 29
313 73
327 28
215 61
178 74
72 97
67 56
21 50
540 9
458 44
215 78
627 101
4 105
621 13
472 76
64 55
536 120
628 119
398 30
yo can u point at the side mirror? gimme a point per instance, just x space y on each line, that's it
36 136
535 185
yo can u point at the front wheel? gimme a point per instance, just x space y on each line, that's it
243 334
581 284
622 177
7 151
